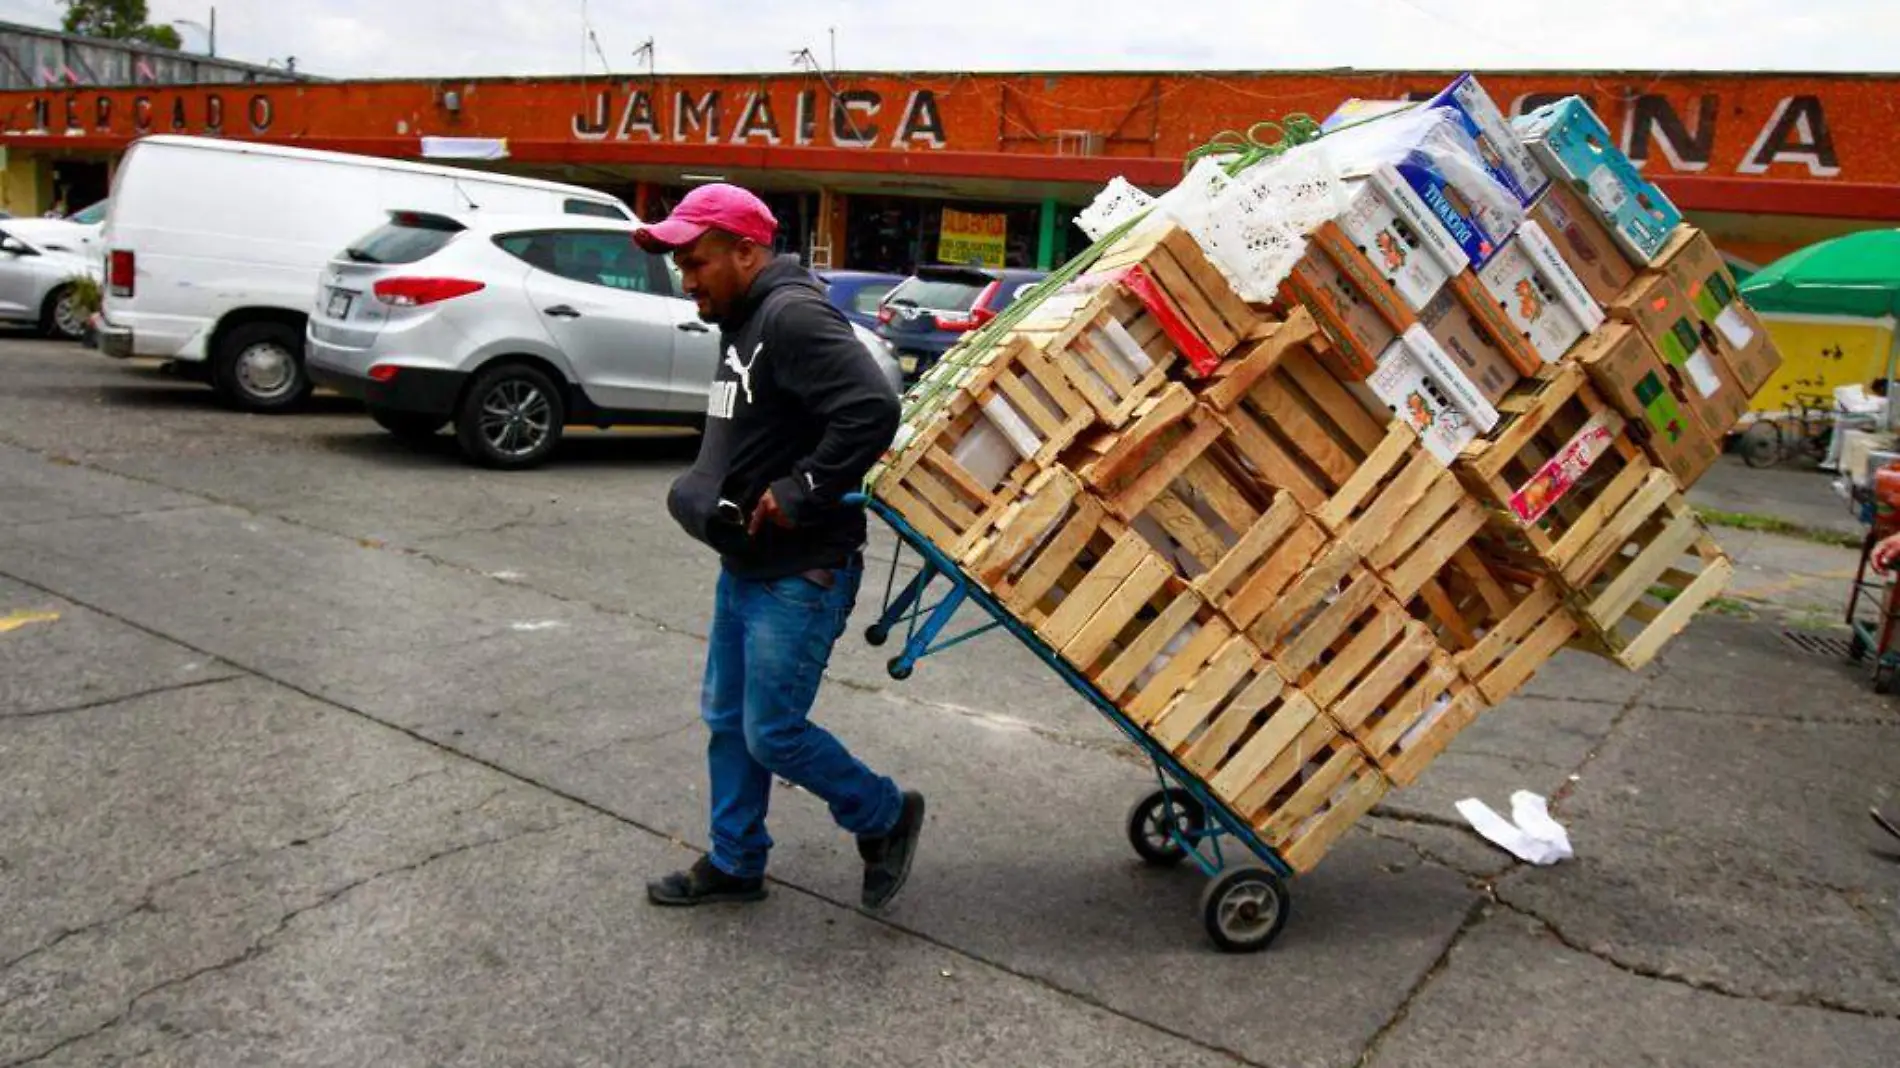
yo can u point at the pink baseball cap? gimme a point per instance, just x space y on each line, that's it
710 207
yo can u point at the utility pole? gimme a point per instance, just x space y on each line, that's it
212 44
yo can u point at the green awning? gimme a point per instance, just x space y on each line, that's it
1858 274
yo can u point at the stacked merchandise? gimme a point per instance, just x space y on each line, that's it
1312 461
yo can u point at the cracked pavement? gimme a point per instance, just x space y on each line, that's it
341 752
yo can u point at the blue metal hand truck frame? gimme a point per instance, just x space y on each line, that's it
1243 907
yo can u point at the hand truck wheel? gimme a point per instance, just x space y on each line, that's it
898 669
1148 826
875 635
1244 909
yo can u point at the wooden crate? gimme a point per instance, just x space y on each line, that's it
1213 718
1293 424
1508 653
1113 350
1396 480
1404 757
1044 545
1301 783
1559 465
1661 570
1188 285
957 473
1397 694
1147 643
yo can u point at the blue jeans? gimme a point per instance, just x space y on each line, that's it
770 644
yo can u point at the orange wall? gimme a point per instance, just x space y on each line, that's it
1802 144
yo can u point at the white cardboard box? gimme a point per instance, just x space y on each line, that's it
1397 233
1542 296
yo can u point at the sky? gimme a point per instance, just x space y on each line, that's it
401 38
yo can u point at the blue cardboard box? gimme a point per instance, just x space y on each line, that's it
1573 144
1504 155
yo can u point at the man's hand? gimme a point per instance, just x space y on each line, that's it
767 511
1886 553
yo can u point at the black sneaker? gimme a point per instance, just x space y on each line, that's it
703 884
887 857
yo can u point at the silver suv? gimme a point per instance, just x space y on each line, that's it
511 328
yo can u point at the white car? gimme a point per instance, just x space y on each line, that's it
513 327
39 264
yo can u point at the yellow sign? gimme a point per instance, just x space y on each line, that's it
969 239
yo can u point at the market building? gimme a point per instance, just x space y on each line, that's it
888 170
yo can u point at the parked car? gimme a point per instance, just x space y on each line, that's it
511 328
39 269
932 309
214 247
858 294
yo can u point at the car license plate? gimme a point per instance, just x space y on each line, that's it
340 303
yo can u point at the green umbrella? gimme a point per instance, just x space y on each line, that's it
1858 274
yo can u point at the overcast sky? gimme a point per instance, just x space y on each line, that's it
396 38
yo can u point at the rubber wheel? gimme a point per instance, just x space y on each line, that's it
875 636
1244 909
61 318
899 670
1148 830
1761 445
409 426
258 367
510 417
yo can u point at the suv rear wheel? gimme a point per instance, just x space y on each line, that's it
259 368
511 417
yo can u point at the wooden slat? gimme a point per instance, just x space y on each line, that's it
1314 439
1405 768
1044 504
1637 654
916 512
1236 377
1649 567
1408 708
1200 314
1094 590
1395 449
1087 647
1056 556
1179 671
1209 281
1231 725
1185 526
1254 543
1156 417
1610 533
1432 557
1366 791
1390 504
1313 585
1378 687
1280 739
1276 467
1259 592
1534 409
1411 529
1030 406
1141 652
1373 642
1496 598
1313 795
1329 396
1188 712
1516 669
1443 609
1304 651
1220 494
929 485
947 466
1145 487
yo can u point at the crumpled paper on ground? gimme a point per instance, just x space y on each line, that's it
1529 835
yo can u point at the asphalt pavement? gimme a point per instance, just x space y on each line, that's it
316 748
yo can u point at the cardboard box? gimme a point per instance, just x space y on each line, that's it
1394 230
1662 315
1457 332
1504 155
1359 312
1496 325
1475 232
1574 147
1730 328
1420 385
1586 244
1540 294
1654 397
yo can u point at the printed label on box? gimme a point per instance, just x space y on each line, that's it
1531 304
1402 385
1504 155
1660 409
1556 271
1702 373
1608 192
1556 478
1456 385
1733 323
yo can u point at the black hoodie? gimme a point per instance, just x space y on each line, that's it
798 406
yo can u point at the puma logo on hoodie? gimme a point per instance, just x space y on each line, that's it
724 397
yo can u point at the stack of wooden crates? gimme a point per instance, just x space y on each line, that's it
1195 503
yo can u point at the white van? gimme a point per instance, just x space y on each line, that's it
214 248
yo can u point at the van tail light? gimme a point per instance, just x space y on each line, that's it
415 292
121 272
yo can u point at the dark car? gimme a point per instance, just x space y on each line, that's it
858 293
935 307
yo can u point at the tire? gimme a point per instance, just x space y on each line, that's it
409 426
1147 830
258 367
1761 445
61 318
510 418
1244 909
